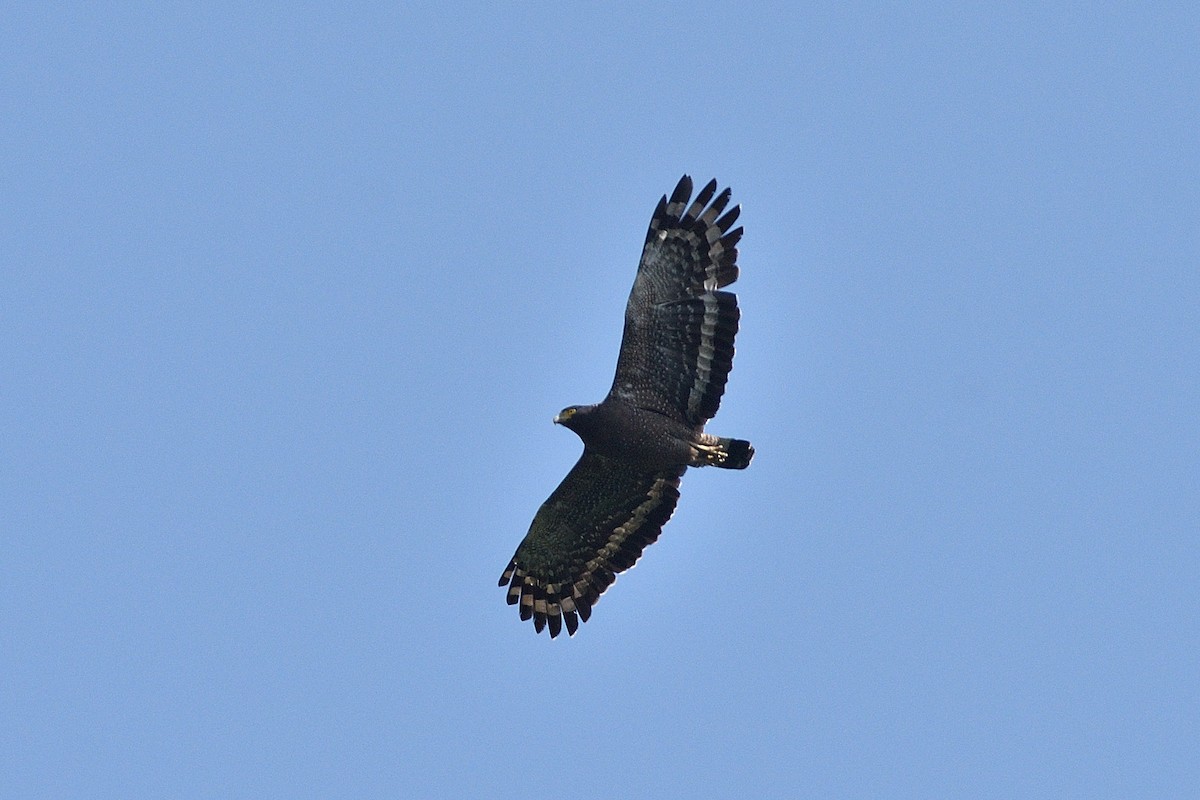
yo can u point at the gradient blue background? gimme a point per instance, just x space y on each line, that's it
291 293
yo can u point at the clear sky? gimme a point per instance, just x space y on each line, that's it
291 294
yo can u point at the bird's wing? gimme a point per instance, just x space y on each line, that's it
594 525
677 348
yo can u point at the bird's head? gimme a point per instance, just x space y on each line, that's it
565 415
572 416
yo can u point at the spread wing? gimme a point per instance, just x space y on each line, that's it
594 525
677 348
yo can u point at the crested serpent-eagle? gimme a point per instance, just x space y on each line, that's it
676 353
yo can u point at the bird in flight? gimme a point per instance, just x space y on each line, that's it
676 354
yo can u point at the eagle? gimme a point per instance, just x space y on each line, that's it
676 354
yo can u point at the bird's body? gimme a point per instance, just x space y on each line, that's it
675 357
620 430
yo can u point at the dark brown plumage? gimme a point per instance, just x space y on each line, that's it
676 354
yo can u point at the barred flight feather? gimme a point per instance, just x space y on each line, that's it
620 538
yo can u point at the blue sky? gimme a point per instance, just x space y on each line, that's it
291 294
